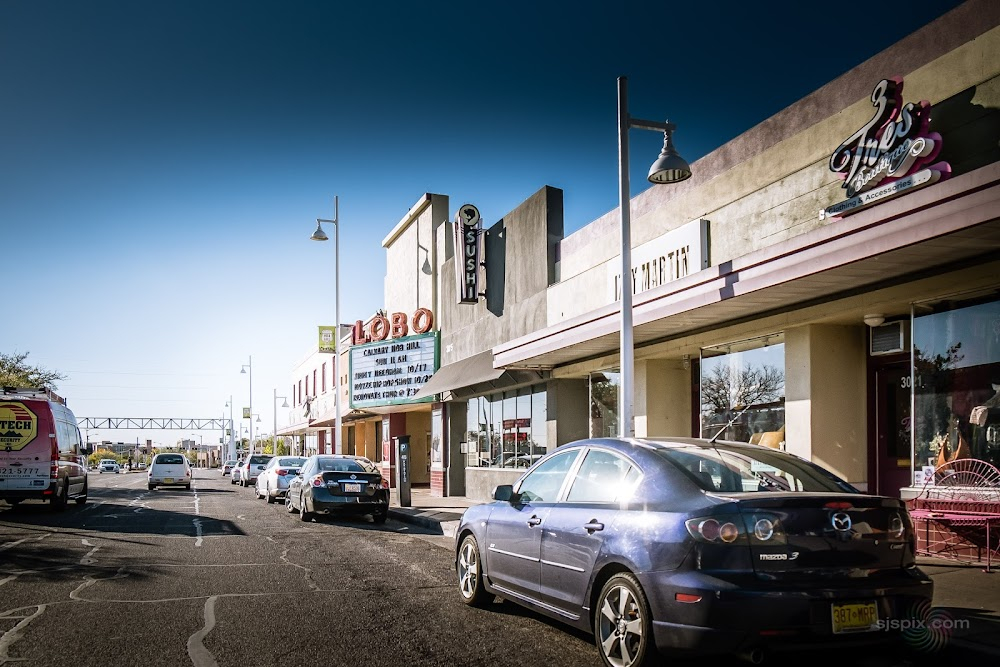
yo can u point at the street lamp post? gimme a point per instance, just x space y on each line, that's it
231 448
668 168
250 378
275 413
319 235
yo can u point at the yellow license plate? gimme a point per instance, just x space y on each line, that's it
860 617
169 480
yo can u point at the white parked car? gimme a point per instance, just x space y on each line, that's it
227 467
273 482
108 465
234 474
169 470
252 468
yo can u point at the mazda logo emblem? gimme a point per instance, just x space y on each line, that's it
841 522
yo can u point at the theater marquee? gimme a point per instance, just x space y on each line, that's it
391 372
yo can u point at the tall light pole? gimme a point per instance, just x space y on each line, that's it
320 235
231 448
275 413
668 168
250 377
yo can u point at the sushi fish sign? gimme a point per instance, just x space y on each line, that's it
890 155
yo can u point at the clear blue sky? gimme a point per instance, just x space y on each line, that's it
162 163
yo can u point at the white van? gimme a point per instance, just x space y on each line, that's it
41 453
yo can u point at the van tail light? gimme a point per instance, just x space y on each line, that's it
54 462
317 480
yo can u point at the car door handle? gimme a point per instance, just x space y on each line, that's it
593 525
534 521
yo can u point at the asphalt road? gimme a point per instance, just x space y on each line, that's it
213 577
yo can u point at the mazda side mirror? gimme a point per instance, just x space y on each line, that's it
503 493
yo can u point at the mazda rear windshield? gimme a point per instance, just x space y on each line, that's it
729 469
342 465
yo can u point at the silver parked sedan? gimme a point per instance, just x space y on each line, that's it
273 482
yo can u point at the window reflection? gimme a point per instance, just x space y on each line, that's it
956 377
506 430
604 404
744 383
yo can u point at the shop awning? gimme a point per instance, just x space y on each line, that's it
475 375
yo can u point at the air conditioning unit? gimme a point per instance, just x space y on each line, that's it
888 338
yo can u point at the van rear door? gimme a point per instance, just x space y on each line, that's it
25 448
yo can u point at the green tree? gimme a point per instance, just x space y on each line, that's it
16 372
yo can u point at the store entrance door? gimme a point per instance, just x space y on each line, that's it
890 457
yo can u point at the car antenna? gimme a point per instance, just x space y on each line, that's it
731 422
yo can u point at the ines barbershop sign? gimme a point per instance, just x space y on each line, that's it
468 234
891 154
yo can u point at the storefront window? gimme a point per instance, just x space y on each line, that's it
743 391
956 378
604 404
506 430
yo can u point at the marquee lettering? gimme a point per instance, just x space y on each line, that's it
396 326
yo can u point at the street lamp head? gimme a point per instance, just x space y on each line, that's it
243 370
669 167
284 403
319 234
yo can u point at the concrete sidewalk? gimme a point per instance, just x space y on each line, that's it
965 596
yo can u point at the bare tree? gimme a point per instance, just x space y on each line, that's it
16 372
725 388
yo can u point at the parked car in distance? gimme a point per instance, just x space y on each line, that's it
108 465
234 474
252 467
693 546
338 484
273 482
227 467
169 470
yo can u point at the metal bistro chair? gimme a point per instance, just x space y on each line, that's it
958 511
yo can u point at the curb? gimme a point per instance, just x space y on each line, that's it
442 523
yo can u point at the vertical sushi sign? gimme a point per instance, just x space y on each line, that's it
467 253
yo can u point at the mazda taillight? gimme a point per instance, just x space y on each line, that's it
757 528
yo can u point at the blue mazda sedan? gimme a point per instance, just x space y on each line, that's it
695 547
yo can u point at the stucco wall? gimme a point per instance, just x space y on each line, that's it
825 414
519 262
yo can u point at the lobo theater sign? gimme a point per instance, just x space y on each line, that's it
887 156
391 372
467 238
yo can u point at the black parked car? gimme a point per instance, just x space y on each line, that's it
338 484
695 547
